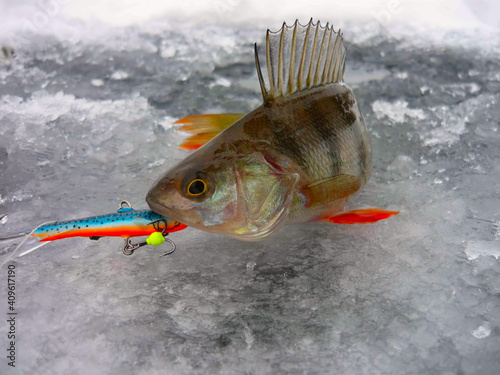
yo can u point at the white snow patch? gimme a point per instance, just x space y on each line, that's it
167 122
119 75
220 81
97 82
475 249
453 120
482 331
396 111
36 113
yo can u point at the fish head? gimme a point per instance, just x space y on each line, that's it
244 195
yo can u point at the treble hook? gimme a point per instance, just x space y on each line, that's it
153 239
130 247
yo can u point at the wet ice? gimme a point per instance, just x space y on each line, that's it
85 124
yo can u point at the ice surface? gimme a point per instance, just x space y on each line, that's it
476 249
86 114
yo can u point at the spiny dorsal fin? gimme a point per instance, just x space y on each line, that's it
300 57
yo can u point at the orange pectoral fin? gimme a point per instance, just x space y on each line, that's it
363 216
205 127
196 141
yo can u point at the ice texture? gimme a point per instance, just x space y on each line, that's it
86 120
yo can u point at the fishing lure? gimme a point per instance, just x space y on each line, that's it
126 222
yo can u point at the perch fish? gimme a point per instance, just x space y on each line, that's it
296 158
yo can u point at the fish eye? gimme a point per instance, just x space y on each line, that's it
196 188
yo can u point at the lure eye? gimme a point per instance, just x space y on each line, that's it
196 188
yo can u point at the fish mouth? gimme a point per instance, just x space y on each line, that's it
162 210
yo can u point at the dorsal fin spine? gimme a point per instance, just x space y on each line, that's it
338 66
291 77
265 95
269 66
335 53
328 58
340 74
318 65
303 57
311 66
330 65
280 62
343 68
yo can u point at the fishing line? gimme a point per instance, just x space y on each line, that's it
33 249
22 242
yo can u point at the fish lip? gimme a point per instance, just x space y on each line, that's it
163 210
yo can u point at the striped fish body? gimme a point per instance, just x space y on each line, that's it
321 136
296 158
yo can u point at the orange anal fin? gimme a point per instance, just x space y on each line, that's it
205 127
363 216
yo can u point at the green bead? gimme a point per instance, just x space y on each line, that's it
155 239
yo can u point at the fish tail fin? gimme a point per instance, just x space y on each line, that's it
362 216
205 127
301 57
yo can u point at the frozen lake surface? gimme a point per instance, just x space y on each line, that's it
86 121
